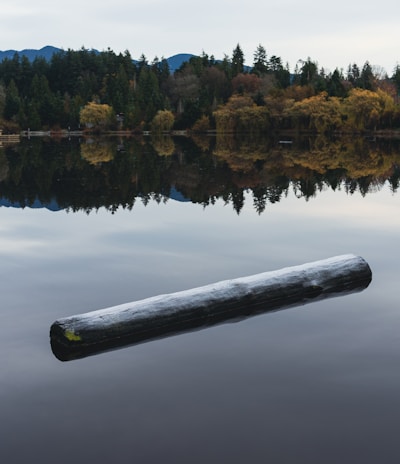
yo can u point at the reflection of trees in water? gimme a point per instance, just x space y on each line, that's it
163 144
4 168
394 179
97 151
115 173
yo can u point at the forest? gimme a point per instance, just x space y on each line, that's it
104 91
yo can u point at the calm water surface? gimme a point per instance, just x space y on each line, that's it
313 384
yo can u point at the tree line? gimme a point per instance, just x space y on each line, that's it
99 91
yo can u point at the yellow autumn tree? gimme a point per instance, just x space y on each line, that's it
237 113
163 121
96 116
202 124
365 109
319 113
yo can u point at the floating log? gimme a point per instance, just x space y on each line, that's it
231 300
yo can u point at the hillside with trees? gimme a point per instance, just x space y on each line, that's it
88 90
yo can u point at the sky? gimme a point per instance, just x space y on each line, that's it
333 34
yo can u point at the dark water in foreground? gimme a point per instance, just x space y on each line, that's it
313 384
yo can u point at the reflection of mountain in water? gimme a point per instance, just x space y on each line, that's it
76 176
52 205
177 196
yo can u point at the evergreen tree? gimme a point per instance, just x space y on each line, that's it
367 78
148 96
12 102
260 64
353 74
396 78
44 101
160 69
226 66
237 61
308 72
335 85
281 74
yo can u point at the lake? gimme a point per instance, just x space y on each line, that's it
89 224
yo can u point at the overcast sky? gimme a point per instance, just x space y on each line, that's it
334 34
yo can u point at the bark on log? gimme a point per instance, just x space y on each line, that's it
231 300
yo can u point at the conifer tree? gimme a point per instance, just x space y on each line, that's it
237 61
260 64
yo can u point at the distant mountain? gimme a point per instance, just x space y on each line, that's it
174 62
45 52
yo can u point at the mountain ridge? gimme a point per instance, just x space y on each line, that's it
46 52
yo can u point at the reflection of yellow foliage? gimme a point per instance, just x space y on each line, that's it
356 157
97 152
242 157
202 141
341 156
164 145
